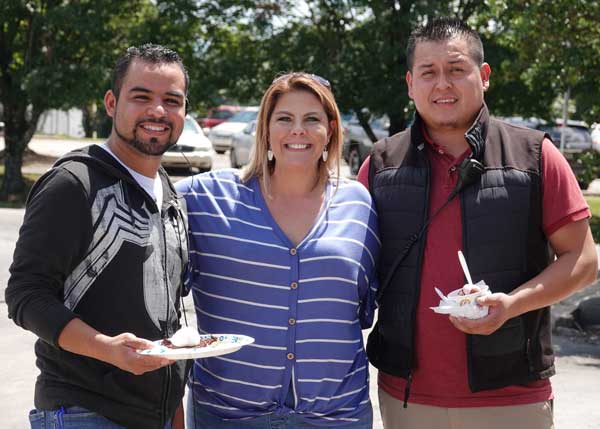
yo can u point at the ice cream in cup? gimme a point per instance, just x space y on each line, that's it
463 302
466 299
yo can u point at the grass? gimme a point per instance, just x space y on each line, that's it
594 203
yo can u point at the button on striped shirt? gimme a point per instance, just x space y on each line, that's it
305 305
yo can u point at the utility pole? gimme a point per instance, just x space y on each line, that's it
565 117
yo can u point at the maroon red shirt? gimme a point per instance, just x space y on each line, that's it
440 377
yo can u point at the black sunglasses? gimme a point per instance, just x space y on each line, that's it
315 77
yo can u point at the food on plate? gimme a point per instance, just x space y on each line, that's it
187 337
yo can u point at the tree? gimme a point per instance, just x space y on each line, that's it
535 48
360 46
554 48
54 54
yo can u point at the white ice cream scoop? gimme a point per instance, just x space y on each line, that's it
185 337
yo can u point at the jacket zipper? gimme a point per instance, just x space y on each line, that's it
167 384
422 245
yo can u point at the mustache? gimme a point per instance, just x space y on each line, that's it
155 121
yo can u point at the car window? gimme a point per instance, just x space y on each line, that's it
346 117
572 134
190 125
249 129
221 114
245 116
380 124
579 134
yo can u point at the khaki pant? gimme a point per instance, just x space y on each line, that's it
415 416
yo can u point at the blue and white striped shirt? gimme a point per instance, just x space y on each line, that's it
305 305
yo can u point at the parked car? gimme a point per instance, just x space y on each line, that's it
241 145
193 150
596 137
222 134
217 115
577 135
357 145
577 139
523 122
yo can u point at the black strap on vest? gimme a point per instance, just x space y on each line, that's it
469 172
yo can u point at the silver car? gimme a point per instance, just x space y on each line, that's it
357 145
193 150
222 134
577 138
241 145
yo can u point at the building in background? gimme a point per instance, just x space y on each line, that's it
61 122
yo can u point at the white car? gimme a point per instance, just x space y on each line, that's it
596 137
222 134
193 149
241 145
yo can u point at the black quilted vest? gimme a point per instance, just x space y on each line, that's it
502 238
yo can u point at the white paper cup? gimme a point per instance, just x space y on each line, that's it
459 304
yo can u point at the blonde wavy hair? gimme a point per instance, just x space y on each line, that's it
259 166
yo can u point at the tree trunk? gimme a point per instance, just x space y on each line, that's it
19 129
89 120
363 120
13 184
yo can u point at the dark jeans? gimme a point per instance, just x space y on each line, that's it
72 418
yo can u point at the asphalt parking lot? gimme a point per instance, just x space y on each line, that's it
578 362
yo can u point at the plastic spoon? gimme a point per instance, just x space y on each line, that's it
439 292
463 264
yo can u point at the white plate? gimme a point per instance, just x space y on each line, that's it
226 343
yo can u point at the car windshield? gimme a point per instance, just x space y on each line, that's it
245 116
190 126
221 114
572 134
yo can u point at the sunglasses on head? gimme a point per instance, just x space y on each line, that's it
316 78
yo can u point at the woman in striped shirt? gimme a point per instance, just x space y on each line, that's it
284 253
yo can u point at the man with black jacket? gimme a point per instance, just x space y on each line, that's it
459 179
97 270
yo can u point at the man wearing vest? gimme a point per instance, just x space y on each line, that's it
520 210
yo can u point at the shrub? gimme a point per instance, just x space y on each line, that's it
586 167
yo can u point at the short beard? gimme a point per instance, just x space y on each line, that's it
147 148
448 124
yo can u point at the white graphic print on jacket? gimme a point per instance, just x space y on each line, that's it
115 223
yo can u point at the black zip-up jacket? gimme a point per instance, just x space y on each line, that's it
503 240
95 246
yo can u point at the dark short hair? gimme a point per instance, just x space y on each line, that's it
150 53
442 29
